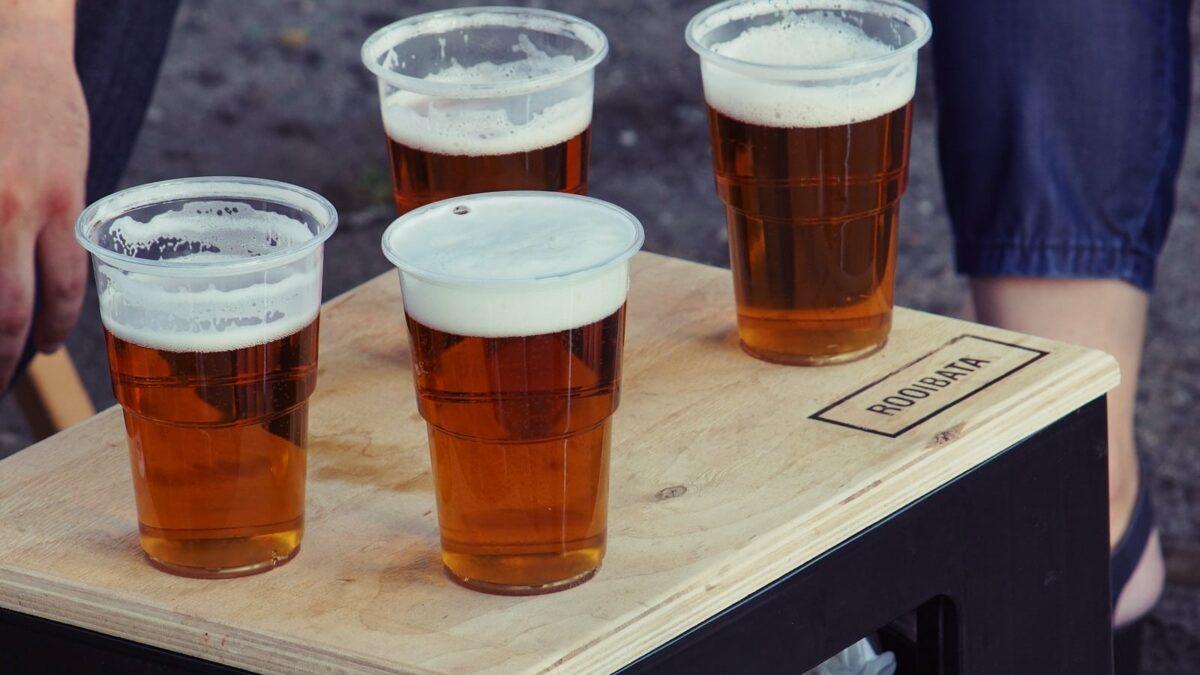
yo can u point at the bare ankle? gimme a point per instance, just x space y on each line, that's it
1144 587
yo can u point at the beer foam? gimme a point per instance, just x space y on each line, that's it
226 229
535 64
513 264
807 40
206 313
492 126
386 53
386 41
478 127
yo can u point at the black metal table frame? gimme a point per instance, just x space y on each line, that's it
1005 569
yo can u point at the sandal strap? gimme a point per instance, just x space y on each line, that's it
1129 549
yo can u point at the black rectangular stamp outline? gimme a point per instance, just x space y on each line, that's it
1038 354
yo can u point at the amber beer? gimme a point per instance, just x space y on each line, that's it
810 114
519 429
515 304
812 216
485 99
422 176
218 442
210 291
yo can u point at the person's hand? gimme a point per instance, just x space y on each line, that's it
43 169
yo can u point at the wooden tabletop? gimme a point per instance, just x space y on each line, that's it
726 474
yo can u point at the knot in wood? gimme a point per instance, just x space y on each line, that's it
670 492
946 437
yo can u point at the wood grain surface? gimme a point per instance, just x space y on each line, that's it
721 482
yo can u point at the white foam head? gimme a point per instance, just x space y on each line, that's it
206 274
477 127
800 69
206 230
508 264
485 80
423 53
501 124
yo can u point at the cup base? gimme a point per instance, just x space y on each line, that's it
809 359
220 557
220 573
507 589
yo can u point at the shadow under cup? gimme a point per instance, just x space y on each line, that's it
210 291
810 113
515 304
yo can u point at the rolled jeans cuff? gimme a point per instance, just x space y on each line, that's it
1056 261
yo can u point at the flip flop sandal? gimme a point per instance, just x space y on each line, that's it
1127 640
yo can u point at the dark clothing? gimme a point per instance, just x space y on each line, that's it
1061 125
118 49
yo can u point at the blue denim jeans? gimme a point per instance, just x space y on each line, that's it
1061 125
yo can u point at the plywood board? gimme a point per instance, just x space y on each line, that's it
727 473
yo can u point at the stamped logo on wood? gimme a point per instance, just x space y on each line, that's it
938 381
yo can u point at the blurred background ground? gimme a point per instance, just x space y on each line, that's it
275 89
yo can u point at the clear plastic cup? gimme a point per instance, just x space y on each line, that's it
210 291
485 99
810 113
515 304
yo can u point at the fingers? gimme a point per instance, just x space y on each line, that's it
16 293
62 281
43 164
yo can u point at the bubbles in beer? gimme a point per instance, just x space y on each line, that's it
515 264
815 40
802 40
536 63
205 229
175 311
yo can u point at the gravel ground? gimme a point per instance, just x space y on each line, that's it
276 90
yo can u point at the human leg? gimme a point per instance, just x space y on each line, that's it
1061 129
1110 316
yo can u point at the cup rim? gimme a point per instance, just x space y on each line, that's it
901 10
460 281
118 203
582 30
